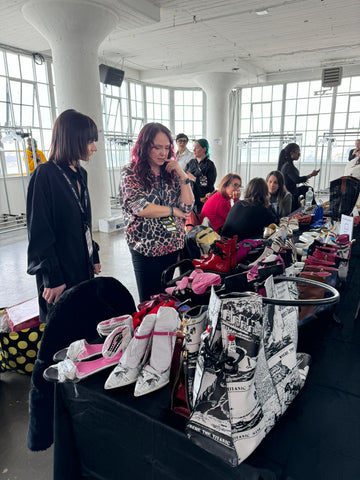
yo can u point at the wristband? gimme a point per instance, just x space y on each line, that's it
171 211
185 182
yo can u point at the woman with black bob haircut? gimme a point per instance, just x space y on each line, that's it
61 252
287 157
280 198
156 197
248 217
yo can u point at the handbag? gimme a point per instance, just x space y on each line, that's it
184 360
191 221
344 192
248 371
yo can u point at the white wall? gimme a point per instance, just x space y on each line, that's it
15 190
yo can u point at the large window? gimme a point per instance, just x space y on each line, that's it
189 112
25 106
302 112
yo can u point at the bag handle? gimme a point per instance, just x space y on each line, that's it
335 296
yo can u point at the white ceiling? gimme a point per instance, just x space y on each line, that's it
296 38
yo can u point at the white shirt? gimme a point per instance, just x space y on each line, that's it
184 158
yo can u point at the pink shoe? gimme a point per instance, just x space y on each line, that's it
67 370
204 280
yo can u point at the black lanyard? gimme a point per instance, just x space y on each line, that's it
75 193
161 192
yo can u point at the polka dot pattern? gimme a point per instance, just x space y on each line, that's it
18 350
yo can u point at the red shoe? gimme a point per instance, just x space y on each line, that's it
219 260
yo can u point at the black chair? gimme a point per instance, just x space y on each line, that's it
73 317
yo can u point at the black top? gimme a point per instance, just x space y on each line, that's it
57 251
247 221
292 177
205 173
352 155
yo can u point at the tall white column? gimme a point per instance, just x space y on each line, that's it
217 87
75 30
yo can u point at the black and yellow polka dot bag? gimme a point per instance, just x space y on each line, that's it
18 350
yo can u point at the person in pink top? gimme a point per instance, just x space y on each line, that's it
218 205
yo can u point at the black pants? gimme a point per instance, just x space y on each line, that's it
148 272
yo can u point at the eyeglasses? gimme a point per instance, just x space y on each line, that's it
236 185
181 141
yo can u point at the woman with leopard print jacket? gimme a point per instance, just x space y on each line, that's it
156 197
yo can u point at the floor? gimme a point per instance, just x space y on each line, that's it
17 462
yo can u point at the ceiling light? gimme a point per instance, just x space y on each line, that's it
261 12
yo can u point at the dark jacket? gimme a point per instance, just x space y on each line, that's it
57 251
205 173
292 177
247 221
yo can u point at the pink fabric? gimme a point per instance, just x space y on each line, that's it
216 209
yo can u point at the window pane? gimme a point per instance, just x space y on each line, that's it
354 120
27 93
340 121
245 110
2 64
15 91
291 89
43 92
355 84
27 71
27 116
3 89
198 97
41 73
256 94
246 95
13 65
354 103
178 97
149 94
157 95
45 117
188 97
277 92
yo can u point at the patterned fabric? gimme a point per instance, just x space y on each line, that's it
148 236
18 350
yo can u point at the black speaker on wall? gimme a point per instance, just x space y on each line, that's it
110 75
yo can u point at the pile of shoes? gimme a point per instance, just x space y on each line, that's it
222 257
73 362
198 282
147 359
142 355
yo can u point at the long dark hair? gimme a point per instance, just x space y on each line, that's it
140 152
71 136
257 192
285 154
280 194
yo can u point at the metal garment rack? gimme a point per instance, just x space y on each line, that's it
117 149
15 136
281 139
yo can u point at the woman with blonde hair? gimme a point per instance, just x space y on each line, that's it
218 205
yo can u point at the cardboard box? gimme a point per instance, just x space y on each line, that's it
24 315
111 224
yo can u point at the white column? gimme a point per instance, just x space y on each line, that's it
74 30
217 87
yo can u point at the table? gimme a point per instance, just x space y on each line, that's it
110 435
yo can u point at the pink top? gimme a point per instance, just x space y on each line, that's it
216 208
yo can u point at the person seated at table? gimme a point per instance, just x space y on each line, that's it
280 198
355 152
202 173
248 217
287 157
218 205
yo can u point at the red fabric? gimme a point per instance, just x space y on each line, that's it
216 208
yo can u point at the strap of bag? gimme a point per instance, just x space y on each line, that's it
334 298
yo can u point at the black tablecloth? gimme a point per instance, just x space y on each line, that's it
110 435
